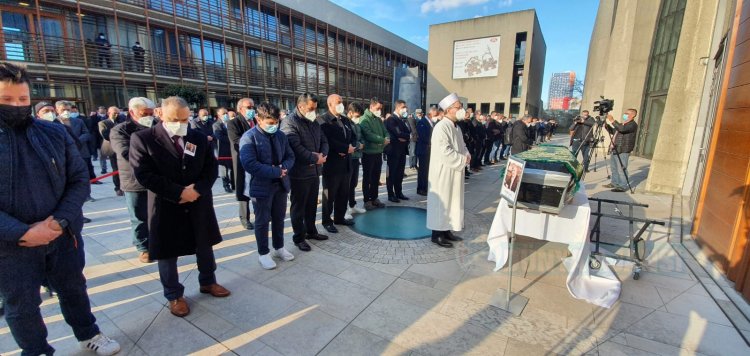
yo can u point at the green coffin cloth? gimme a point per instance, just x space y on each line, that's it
547 153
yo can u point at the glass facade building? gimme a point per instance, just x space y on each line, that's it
227 48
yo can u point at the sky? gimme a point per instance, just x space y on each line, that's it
566 24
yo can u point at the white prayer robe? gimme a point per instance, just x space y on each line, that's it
445 198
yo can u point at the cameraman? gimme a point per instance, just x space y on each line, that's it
582 136
623 142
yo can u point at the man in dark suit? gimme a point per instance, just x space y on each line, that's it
104 128
235 129
204 123
178 168
93 126
520 136
310 152
424 135
337 168
266 155
399 133
224 148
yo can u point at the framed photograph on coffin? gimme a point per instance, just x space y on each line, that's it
512 179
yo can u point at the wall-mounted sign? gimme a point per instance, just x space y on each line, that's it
476 58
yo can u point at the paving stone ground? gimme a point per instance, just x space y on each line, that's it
354 295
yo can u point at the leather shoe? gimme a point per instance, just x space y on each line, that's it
619 190
378 203
422 193
403 197
330 228
179 307
608 186
303 246
97 182
393 200
145 258
442 243
215 290
318 237
448 235
345 222
86 220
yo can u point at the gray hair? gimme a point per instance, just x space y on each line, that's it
174 101
140 102
61 103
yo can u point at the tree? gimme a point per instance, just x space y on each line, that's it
193 95
578 87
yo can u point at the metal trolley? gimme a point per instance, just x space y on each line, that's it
636 244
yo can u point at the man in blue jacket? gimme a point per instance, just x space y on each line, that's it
266 157
40 220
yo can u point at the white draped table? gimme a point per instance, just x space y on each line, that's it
600 287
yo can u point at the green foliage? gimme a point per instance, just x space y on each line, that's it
193 95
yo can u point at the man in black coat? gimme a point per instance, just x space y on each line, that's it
624 135
244 121
141 118
205 124
520 136
337 168
93 126
310 149
105 126
178 168
582 137
224 148
399 133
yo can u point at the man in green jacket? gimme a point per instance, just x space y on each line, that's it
375 138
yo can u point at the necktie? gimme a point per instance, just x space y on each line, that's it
177 145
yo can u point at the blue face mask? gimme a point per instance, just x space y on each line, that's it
225 117
625 117
250 114
74 115
271 129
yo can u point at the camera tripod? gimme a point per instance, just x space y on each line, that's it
599 138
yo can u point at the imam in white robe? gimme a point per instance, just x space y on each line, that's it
445 197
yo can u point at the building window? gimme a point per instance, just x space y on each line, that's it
485 107
500 108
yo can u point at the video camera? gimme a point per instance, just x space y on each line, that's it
604 106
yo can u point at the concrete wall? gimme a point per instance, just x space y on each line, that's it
619 53
492 89
678 123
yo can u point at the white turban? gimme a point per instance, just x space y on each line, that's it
448 101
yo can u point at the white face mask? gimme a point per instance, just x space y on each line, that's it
146 121
355 119
49 116
460 114
176 128
376 113
65 114
340 109
310 115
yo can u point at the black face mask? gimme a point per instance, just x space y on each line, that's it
17 117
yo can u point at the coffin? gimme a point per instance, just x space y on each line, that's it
550 179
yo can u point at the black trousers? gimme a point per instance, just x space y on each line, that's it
486 152
396 165
304 197
423 170
116 177
353 180
335 196
90 166
170 277
371 165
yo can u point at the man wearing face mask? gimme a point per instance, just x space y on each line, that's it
223 148
139 54
424 127
99 115
449 156
354 111
521 136
310 149
136 197
267 157
178 168
102 50
235 129
582 136
41 222
337 168
624 134
400 134
78 130
204 124
105 127
376 138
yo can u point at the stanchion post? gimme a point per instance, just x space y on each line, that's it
511 241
